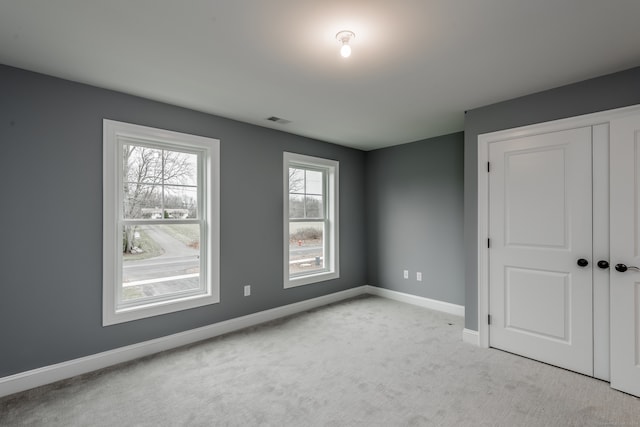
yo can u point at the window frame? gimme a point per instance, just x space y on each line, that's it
331 217
115 135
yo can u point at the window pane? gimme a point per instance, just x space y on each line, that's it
296 180
313 207
160 260
180 202
306 247
314 182
142 164
141 201
296 206
180 168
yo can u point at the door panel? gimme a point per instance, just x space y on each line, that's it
527 190
625 249
531 292
540 223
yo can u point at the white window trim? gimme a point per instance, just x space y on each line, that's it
332 197
112 245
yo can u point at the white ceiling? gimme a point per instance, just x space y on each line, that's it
416 64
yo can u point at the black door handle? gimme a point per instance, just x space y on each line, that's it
621 268
583 262
603 264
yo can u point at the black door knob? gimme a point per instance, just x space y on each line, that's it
621 268
603 264
583 262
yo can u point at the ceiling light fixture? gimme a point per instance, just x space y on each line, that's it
344 37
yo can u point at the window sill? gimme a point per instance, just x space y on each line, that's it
310 278
155 309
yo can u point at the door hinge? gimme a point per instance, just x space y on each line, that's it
488 319
488 166
488 243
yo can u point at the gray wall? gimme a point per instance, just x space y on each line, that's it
599 94
51 216
415 217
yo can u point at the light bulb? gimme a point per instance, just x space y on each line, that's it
344 37
345 50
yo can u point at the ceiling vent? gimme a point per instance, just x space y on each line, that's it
278 120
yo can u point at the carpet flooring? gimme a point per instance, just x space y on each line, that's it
368 361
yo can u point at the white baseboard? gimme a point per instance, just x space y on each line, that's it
471 337
49 374
445 307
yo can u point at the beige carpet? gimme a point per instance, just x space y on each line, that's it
362 362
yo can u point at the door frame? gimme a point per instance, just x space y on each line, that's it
592 119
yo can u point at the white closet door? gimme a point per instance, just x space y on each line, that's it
601 257
540 224
625 254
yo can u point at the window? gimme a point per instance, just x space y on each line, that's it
310 220
160 221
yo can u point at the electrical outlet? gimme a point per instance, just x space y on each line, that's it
247 290
406 274
419 276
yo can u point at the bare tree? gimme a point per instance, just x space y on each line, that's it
296 192
145 170
296 180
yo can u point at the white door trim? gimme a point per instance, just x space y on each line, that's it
483 192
